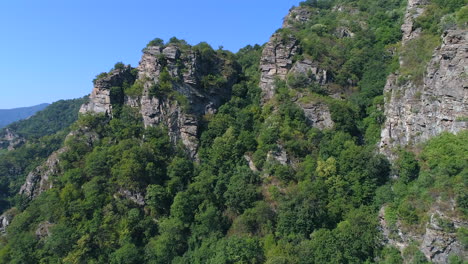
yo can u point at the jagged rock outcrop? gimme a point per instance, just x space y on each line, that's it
416 113
39 180
43 230
318 115
5 220
438 239
100 98
10 140
414 9
188 71
297 15
310 70
276 61
200 82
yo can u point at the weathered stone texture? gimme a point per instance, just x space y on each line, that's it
415 113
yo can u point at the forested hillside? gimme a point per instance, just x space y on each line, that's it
267 155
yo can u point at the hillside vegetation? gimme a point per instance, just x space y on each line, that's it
265 186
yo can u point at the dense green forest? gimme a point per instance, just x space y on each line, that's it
237 204
42 134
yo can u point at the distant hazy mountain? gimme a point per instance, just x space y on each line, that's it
8 116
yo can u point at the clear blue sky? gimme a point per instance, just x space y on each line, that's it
52 49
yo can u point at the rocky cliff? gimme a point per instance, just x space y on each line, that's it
40 179
200 81
416 112
190 73
10 139
100 97
437 239
278 62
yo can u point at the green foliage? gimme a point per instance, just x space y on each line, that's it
164 85
462 17
136 89
119 66
241 191
434 19
58 116
407 166
155 42
415 55
266 186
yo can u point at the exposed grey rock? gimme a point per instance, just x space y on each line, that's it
251 163
39 179
171 52
43 230
416 113
311 70
437 242
100 99
135 197
414 9
318 114
10 140
5 220
297 15
276 61
279 155
181 126
186 69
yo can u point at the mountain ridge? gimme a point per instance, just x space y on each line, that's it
269 155
8 116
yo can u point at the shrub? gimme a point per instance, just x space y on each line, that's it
136 89
416 54
119 66
155 42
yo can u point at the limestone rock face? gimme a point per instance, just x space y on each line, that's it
318 114
10 140
296 15
414 9
5 220
276 61
277 56
438 239
416 113
310 69
39 180
100 98
187 69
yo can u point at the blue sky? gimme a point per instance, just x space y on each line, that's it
52 49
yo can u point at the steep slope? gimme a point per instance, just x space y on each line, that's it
8 116
264 156
175 86
417 111
58 116
426 97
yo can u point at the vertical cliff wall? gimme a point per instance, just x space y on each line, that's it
417 111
